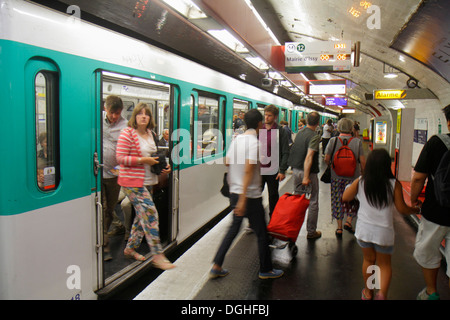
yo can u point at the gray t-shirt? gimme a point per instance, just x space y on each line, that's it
355 145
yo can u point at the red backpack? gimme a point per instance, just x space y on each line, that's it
344 161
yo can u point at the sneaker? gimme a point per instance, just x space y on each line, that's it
214 273
271 274
315 235
423 295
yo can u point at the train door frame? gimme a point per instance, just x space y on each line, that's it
105 284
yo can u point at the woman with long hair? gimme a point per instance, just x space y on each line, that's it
135 146
378 193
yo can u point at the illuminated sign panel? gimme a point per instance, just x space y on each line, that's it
327 87
318 56
389 94
335 101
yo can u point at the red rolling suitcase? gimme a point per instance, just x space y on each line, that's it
287 218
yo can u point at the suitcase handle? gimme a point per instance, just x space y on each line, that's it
305 189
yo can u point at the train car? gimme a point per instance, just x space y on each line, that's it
56 70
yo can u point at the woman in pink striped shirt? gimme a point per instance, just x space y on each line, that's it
134 147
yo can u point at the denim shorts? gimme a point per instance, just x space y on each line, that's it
377 247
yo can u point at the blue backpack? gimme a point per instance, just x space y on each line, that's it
441 178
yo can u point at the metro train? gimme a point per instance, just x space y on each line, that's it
56 71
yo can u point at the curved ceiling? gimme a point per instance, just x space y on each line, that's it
184 26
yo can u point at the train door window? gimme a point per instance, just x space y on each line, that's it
47 130
283 115
240 107
260 107
208 115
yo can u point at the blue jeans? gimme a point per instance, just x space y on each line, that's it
256 216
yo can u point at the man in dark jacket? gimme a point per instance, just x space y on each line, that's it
273 180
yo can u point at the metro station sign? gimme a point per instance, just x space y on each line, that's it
318 56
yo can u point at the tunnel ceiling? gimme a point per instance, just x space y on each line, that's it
388 44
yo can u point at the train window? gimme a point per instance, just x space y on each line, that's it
208 124
240 107
47 129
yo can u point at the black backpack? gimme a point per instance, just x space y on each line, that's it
441 178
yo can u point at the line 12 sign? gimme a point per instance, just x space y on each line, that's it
318 56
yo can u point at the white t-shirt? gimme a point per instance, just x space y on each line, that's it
375 225
148 147
326 134
244 146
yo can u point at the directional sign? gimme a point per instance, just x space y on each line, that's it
318 56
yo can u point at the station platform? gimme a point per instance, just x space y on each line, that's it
327 268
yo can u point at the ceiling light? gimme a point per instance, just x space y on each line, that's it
250 5
257 62
187 8
229 40
391 75
348 110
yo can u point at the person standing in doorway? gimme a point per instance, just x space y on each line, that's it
113 124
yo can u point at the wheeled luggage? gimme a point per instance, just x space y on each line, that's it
287 219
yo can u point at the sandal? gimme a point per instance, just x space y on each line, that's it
348 226
163 264
131 254
339 232
364 297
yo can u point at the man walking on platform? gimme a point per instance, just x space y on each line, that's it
434 224
244 178
304 160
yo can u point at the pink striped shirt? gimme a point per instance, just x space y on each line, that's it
131 174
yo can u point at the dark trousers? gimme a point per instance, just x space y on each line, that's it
272 188
324 144
255 214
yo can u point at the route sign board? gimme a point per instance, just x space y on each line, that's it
318 56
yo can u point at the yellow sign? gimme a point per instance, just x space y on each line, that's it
399 119
389 94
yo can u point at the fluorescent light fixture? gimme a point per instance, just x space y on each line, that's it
257 62
275 75
116 75
250 5
229 40
155 83
348 110
391 75
187 8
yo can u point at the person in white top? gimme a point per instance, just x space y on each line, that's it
379 194
326 135
244 178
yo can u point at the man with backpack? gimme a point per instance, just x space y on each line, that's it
433 164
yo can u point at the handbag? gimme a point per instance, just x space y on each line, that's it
159 167
225 190
326 176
